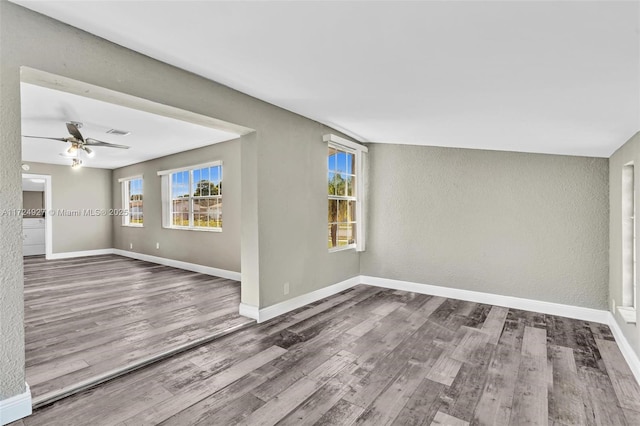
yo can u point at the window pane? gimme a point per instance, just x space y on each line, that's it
200 205
351 184
216 179
343 234
180 219
200 220
180 205
332 228
203 186
331 160
180 184
333 211
342 211
350 158
351 216
352 239
342 161
216 213
331 183
340 184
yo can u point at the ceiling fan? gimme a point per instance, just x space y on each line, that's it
78 143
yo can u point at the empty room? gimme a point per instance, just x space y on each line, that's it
331 213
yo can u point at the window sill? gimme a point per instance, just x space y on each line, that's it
177 228
628 314
343 248
133 226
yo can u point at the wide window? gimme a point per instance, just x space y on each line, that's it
345 192
132 193
192 197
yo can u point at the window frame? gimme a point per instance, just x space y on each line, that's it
629 288
359 151
167 199
124 187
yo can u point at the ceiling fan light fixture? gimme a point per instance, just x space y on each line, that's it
90 153
76 164
72 149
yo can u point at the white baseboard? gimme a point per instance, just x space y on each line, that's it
265 314
208 270
70 254
569 311
249 311
627 351
16 407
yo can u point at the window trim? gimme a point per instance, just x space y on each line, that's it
358 150
629 287
124 189
165 175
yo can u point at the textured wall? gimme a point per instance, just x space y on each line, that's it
85 188
215 249
629 152
11 284
524 225
284 224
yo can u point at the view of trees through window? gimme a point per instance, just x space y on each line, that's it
135 201
196 198
342 197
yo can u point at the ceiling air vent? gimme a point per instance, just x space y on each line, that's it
118 132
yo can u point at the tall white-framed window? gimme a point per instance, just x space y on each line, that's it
629 253
132 200
192 197
346 192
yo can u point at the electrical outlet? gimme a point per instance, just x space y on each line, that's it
157 246
286 288
130 246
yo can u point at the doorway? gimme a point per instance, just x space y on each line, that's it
112 295
36 214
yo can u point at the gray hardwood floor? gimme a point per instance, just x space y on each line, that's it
375 356
87 316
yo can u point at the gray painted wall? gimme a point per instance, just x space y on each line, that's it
215 249
32 202
630 151
283 226
525 225
85 188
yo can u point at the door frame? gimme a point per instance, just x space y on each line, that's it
48 216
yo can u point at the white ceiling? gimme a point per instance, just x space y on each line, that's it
45 112
548 77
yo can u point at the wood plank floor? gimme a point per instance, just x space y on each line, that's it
87 316
376 356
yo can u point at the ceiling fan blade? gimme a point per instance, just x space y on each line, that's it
95 142
73 130
45 137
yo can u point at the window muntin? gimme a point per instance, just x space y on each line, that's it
196 198
342 193
132 200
